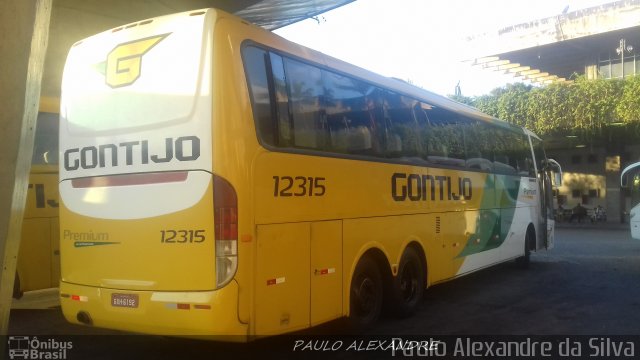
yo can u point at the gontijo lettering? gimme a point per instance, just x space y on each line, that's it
184 148
416 187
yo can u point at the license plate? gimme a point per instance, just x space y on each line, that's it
124 300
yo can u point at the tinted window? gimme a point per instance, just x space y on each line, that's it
512 153
306 91
538 151
445 139
281 100
299 105
351 115
478 145
525 160
401 136
255 68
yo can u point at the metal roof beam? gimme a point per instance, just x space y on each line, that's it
542 79
484 60
535 76
508 66
495 63
527 73
519 69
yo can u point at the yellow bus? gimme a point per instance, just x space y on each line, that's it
39 255
216 179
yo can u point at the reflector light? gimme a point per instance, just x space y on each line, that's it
275 281
326 271
182 306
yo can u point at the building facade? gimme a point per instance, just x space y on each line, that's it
597 42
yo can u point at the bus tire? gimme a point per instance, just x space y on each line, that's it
524 261
366 294
17 292
409 284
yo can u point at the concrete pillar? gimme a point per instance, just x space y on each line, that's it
24 31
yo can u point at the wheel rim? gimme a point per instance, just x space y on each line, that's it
366 296
409 282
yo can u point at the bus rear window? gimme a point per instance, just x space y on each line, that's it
114 83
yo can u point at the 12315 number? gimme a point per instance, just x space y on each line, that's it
298 186
182 236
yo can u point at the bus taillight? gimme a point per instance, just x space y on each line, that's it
225 204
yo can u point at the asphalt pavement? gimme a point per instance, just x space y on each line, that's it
586 286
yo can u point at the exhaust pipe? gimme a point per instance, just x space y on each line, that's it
84 318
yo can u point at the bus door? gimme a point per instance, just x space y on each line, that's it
550 177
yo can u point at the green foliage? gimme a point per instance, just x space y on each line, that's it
628 109
585 106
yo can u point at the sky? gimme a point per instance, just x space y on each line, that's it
422 41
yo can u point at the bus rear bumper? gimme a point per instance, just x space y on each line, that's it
209 314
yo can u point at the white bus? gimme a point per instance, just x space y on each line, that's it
630 179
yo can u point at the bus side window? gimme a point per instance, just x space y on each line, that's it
519 153
403 140
513 154
477 139
420 110
306 92
445 139
504 157
255 64
281 100
525 161
352 128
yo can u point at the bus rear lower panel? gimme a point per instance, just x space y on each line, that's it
191 314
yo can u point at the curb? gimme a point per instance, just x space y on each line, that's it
590 226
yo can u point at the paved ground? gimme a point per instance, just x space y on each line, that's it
587 285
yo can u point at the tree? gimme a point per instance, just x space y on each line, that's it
582 106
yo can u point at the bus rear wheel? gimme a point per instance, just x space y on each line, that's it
524 261
365 294
409 284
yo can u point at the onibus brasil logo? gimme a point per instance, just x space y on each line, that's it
30 347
